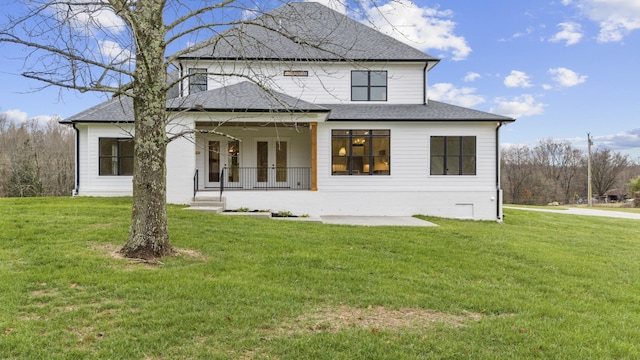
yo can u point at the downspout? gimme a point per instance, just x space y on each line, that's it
498 200
424 83
77 189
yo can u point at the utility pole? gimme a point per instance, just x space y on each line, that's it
589 191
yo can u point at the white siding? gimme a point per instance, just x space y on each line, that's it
181 158
408 190
91 183
409 158
327 83
180 164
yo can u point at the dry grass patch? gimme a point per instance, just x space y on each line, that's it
375 318
113 250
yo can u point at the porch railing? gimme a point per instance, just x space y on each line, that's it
266 178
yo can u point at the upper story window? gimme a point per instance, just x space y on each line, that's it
453 155
197 80
116 156
360 152
368 85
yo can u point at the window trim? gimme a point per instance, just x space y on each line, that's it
369 160
369 86
460 156
196 73
118 157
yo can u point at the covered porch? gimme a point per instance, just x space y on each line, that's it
254 157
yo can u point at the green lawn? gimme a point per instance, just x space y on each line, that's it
541 285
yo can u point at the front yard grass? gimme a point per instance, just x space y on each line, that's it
541 285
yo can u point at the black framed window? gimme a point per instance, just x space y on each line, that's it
368 85
453 155
197 80
116 156
360 152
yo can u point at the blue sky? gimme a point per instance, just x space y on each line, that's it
561 67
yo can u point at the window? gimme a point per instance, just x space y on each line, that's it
368 86
453 155
360 152
197 80
116 156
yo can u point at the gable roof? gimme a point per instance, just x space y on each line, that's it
432 111
306 31
244 96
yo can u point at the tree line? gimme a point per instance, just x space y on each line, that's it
556 171
36 159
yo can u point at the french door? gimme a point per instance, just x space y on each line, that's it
272 159
221 154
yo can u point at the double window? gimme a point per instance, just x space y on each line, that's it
197 80
453 155
116 156
368 86
360 152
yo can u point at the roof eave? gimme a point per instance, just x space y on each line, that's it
240 110
422 60
424 120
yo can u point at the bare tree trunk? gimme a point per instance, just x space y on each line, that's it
148 234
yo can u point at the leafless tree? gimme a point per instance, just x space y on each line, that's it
63 37
519 177
606 167
560 164
36 159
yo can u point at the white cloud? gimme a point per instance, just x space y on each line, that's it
517 79
528 31
616 18
623 140
113 51
18 117
518 107
89 17
571 33
448 93
422 27
471 76
567 78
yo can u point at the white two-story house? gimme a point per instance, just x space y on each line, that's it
308 111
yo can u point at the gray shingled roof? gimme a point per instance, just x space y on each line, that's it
247 96
118 109
307 31
433 111
244 96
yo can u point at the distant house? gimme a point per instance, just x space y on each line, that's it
336 121
615 195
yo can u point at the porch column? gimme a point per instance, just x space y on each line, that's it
181 162
314 156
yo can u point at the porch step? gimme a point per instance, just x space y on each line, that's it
211 209
208 203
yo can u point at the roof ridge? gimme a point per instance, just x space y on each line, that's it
304 30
